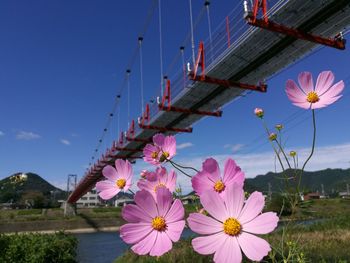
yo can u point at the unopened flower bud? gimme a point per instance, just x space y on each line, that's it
143 174
292 153
272 136
259 112
279 127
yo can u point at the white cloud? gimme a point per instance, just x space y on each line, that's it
23 135
184 145
2 133
234 147
65 141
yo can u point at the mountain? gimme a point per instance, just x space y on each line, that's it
333 180
26 186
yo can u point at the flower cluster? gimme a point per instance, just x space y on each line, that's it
156 220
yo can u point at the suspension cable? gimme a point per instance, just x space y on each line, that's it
192 36
182 49
207 4
141 72
128 71
160 46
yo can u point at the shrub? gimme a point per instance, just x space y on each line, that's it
38 248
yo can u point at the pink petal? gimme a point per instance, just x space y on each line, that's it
232 173
162 245
293 92
169 146
262 224
334 90
171 181
324 81
229 251
109 193
144 246
203 224
124 169
306 82
133 233
214 204
202 183
134 214
211 166
164 199
252 207
158 139
255 248
176 212
105 185
234 199
146 202
305 105
110 173
324 102
208 244
175 229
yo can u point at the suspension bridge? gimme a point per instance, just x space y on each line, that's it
226 66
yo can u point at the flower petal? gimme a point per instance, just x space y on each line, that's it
306 82
144 246
305 105
232 173
203 224
158 139
171 181
202 183
262 224
234 199
145 201
255 248
105 185
293 92
124 168
324 81
164 199
134 232
214 204
134 214
324 102
252 207
162 245
208 244
176 212
211 166
169 146
334 90
109 193
175 229
229 251
110 173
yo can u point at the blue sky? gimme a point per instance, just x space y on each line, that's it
63 62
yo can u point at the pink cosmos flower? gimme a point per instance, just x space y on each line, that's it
163 180
162 149
153 223
231 227
309 96
118 179
210 179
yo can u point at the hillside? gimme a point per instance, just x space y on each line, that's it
32 187
333 180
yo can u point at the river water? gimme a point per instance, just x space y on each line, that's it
104 247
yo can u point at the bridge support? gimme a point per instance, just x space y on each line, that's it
69 209
251 17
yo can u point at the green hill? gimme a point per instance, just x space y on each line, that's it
22 189
333 181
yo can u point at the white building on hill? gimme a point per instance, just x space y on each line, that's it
90 199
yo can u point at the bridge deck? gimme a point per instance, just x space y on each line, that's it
257 56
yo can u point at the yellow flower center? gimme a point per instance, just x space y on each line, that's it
121 183
312 97
158 223
232 227
158 186
164 156
154 155
219 186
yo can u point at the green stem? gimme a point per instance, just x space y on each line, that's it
183 167
284 154
180 170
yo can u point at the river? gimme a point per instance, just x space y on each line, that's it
104 247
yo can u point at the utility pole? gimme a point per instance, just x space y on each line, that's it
322 187
269 194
